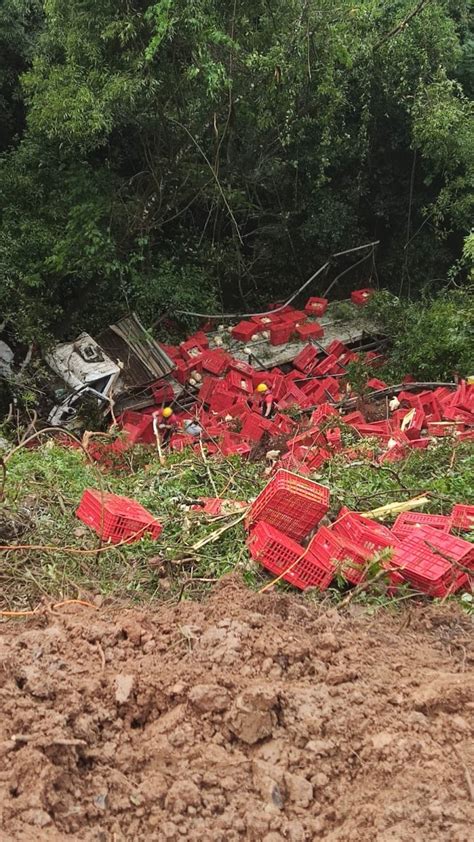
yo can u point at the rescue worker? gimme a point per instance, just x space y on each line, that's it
168 424
267 403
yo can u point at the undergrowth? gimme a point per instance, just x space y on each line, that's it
43 488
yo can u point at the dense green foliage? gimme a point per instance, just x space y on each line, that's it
430 339
167 153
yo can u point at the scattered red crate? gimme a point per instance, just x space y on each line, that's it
284 557
116 519
447 546
162 392
191 350
463 516
179 442
407 521
368 533
281 333
316 306
337 348
361 296
183 371
253 426
244 331
234 444
294 317
207 389
334 438
350 558
265 322
222 399
240 382
310 330
376 384
290 503
216 361
426 571
306 359
244 368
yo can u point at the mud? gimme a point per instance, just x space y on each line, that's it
242 718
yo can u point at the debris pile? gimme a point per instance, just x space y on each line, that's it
299 410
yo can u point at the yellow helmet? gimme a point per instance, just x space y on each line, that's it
167 412
262 387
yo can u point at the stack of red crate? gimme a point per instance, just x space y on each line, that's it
283 557
350 558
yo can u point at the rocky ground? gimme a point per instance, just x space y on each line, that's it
244 717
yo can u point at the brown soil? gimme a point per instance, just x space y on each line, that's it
242 718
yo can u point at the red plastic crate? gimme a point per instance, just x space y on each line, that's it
253 427
291 503
310 438
368 533
353 418
316 458
449 546
294 317
463 516
244 368
201 338
180 441
233 444
207 389
328 365
334 438
407 521
117 519
322 412
349 557
337 348
221 399
375 383
361 296
284 557
310 330
216 361
240 382
423 569
316 306
281 425
182 371
244 331
265 322
419 444
281 333
191 350
441 429
331 387
306 359
291 462
162 392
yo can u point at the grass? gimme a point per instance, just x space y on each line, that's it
43 488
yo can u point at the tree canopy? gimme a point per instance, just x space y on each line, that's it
191 153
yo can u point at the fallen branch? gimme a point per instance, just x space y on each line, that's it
397 508
214 536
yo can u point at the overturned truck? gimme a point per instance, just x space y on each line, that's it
115 369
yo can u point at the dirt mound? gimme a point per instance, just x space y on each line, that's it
242 718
